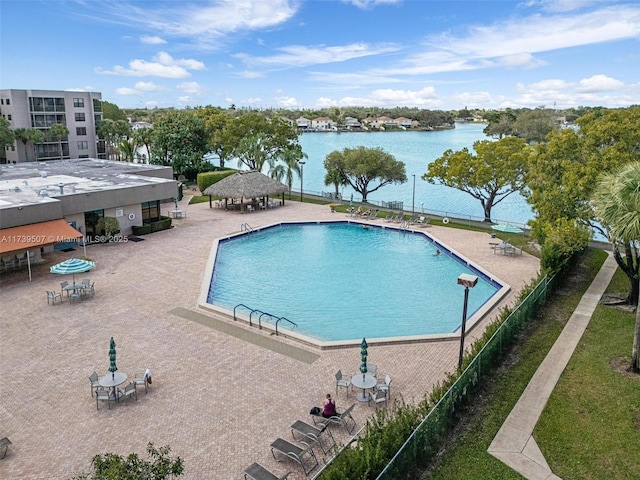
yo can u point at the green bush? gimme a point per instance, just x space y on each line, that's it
207 179
163 224
108 226
563 241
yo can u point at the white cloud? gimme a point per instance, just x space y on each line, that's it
425 98
287 102
478 99
599 83
369 4
152 40
127 91
252 101
301 56
205 23
163 65
193 88
140 88
148 87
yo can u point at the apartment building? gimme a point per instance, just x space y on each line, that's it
80 112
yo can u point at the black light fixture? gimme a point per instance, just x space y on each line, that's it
467 281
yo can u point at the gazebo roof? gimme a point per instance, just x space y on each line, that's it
248 184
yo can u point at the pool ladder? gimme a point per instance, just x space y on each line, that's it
245 227
262 314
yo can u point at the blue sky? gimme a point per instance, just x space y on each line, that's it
311 54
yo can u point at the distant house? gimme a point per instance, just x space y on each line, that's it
352 123
139 125
404 122
303 123
323 124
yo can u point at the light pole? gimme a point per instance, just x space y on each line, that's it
467 281
413 198
301 163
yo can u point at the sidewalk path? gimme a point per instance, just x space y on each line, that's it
514 444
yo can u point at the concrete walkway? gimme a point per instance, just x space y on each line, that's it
514 444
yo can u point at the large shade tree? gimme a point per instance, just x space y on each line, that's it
179 140
361 166
495 171
564 171
617 207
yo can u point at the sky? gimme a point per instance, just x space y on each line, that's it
308 54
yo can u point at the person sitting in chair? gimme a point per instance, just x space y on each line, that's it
329 408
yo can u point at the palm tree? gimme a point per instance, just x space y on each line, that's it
127 150
59 131
617 205
284 171
29 136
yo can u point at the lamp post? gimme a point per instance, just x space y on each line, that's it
467 281
301 163
413 197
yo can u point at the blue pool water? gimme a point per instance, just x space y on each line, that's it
340 281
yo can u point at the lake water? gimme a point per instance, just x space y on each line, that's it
416 150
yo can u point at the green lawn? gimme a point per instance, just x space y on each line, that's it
591 426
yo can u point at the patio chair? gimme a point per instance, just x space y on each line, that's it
378 398
423 221
88 289
342 381
372 369
345 419
391 216
320 435
129 391
4 443
386 386
104 396
93 378
53 296
143 378
258 472
62 285
303 456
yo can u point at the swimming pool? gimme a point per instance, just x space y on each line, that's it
342 281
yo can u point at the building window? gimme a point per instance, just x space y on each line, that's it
78 102
151 211
9 117
81 131
8 101
80 117
91 220
83 145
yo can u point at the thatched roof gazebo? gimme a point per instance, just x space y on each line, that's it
243 185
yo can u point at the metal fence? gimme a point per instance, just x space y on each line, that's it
420 448
462 218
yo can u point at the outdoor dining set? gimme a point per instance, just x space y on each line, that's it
319 435
106 387
74 292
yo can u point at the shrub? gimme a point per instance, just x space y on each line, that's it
207 179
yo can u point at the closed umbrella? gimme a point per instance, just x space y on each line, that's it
363 357
113 368
73 266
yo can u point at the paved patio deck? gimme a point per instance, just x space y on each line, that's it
219 398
